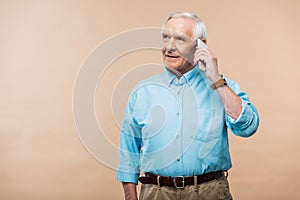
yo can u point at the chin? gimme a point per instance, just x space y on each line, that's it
182 69
173 65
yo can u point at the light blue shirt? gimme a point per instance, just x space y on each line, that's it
178 127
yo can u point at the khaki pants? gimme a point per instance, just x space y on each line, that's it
212 190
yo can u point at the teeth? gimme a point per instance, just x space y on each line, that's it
172 56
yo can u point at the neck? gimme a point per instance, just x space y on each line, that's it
177 73
180 71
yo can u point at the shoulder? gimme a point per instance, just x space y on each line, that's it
144 88
158 79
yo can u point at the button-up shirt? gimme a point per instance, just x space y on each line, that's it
178 127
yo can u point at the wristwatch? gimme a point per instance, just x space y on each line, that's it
219 83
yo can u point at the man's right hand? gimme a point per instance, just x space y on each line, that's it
130 191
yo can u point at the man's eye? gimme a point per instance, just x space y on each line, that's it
180 39
165 36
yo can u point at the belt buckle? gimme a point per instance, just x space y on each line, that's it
175 184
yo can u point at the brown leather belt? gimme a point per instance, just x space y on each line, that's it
180 181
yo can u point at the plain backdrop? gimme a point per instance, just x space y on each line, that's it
43 44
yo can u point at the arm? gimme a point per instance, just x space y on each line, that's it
130 191
231 101
129 149
241 115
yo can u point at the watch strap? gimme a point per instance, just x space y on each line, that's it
219 83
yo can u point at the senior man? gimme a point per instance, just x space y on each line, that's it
175 125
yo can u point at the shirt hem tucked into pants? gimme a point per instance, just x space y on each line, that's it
217 189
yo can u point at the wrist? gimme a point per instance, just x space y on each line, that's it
216 78
220 82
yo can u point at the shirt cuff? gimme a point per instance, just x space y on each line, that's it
244 117
247 122
127 177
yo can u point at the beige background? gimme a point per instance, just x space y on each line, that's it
43 43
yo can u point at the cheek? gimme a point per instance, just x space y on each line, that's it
188 54
186 51
182 60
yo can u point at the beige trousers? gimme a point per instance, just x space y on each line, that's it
212 190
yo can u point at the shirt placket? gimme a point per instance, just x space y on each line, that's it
178 87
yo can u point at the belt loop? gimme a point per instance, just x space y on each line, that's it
158 182
195 184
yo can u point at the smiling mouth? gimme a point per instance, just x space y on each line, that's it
171 56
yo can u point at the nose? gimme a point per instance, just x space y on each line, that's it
170 45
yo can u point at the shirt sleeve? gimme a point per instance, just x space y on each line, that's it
247 122
129 148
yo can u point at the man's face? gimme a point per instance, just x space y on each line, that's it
178 46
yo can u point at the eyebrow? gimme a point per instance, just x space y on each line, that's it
176 36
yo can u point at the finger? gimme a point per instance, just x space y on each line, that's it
202 49
203 52
201 56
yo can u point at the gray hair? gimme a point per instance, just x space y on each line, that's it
199 29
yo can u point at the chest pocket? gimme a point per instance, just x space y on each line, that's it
210 125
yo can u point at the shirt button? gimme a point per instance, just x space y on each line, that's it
178 93
177 136
178 113
178 159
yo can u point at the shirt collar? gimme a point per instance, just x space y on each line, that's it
188 77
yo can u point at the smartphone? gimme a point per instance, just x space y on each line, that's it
202 44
